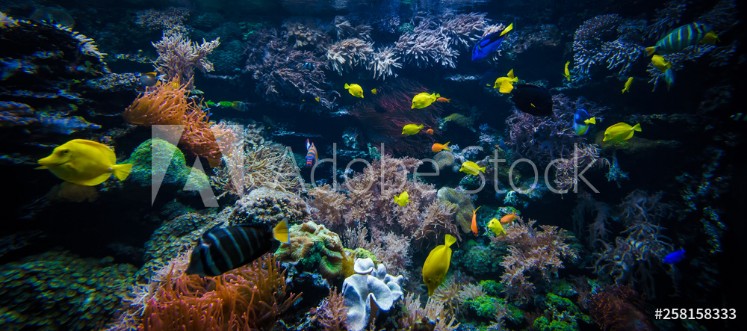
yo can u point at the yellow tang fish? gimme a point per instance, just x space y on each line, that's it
374 91
628 82
506 84
423 99
496 226
471 168
402 199
411 129
354 90
620 132
660 63
437 264
566 72
84 162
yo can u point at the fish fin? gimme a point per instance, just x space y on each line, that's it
103 149
121 171
449 240
308 144
508 29
41 168
280 232
510 74
637 127
347 86
483 169
650 50
93 181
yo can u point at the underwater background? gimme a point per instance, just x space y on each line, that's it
379 165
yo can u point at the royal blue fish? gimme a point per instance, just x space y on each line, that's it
490 43
582 120
674 257
311 155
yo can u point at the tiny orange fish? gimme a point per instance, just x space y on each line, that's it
442 99
474 221
429 131
509 218
440 147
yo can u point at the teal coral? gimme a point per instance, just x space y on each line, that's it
170 163
479 260
314 248
59 291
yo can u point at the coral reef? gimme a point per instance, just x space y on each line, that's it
606 39
533 255
368 286
426 46
158 159
332 315
461 203
345 55
368 204
264 206
431 317
59 290
314 248
616 308
178 57
637 251
252 297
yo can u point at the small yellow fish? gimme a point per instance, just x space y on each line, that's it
317 99
628 82
423 99
506 84
496 226
402 199
660 62
354 90
437 264
84 162
440 147
471 168
411 129
566 72
620 132
374 91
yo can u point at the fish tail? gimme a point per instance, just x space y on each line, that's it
446 146
347 86
121 171
450 240
508 29
650 50
637 127
280 232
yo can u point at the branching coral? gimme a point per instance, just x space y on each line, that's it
426 46
369 202
606 39
347 54
332 314
249 162
640 248
156 20
383 62
178 56
616 308
252 297
431 317
534 256
464 29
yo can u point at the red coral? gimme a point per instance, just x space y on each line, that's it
614 308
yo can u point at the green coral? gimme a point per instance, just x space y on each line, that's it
484 306
491 287
59 291
479 260
314 248
560 314
170 164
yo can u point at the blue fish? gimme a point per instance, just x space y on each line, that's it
669 78
582 120
311 156
674 257
490 43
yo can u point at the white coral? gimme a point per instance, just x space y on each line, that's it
383 63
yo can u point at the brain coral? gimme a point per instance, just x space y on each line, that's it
315 249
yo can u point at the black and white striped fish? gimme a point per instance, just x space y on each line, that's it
225 248
682 37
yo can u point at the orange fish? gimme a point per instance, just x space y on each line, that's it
509 218
442 99
429 131
440 147
474 220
